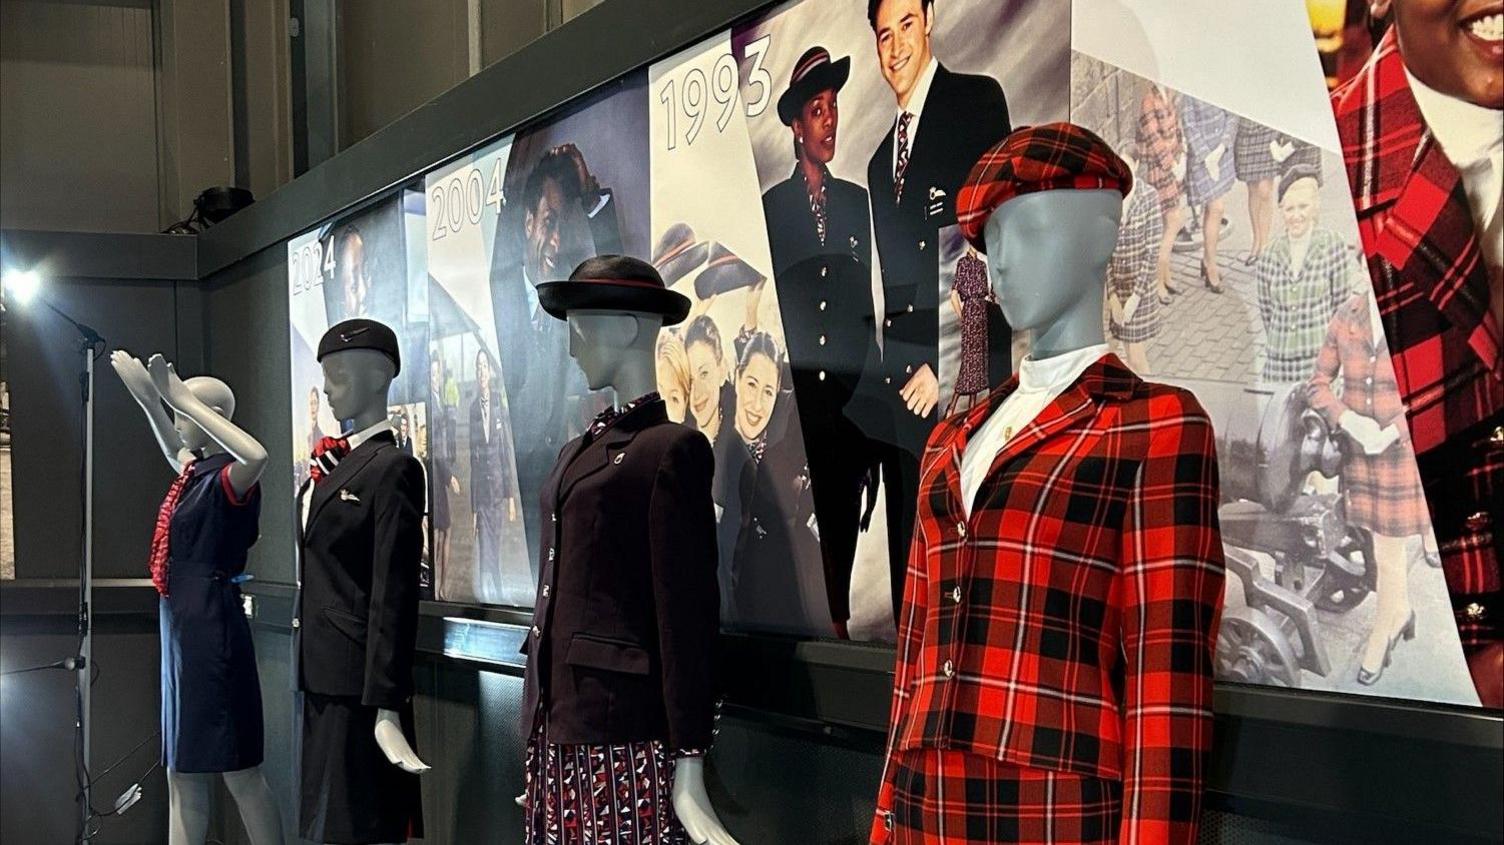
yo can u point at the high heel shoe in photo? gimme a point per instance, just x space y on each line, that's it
1206 279
1367 678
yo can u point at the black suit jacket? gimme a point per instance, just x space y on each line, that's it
963 116
824 296
356 621
628 608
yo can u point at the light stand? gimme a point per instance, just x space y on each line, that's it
24 286
91 344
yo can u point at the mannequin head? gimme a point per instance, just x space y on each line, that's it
615 348
218 396
356 382
1047 255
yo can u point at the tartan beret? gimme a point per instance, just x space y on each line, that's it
1036 158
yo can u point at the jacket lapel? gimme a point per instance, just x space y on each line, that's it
1107 378
346 470
602 452
1412 204
1429 235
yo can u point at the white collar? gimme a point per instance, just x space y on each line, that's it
1057 371
367 433
921 92
1467 133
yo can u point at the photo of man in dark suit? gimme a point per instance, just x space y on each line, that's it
820 240
488 478
539 242
942 124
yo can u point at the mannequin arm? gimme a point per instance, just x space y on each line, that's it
394 743
249 455
692 804
138 382
1171 582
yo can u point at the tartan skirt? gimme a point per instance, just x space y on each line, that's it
598 794
945 797
1383 492
1251 157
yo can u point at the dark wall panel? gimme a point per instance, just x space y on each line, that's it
47 422
36 727
246 315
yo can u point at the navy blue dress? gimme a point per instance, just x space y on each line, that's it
211 697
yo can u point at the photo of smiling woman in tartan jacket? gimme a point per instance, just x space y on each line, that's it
1422 130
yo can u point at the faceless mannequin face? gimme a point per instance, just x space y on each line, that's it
212 392
356 383
602 343
1047 253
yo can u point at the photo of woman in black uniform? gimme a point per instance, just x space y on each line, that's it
820 240
765 470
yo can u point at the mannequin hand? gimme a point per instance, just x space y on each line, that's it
521 800
692 805
454 484
133 374
394 745
1280 150
165 377
1115 310
955 301
1180 166
922 392
1130 306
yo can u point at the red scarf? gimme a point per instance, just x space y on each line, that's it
164 526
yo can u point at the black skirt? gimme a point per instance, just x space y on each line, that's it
350 792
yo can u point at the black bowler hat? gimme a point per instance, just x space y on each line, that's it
813 73
612 282
361 333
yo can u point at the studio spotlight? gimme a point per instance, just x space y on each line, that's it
21 286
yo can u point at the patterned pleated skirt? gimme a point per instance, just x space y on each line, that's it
599 794
959 798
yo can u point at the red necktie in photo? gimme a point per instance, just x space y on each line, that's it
158 559
326 456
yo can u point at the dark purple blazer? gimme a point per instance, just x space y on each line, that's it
628 608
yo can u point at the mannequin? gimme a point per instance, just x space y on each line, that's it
360 541
200 433
617 350
363 380
1057 632
615 308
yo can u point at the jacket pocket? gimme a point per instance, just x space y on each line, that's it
607 654
349 624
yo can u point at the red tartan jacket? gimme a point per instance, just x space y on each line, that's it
1432 289
1070 623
